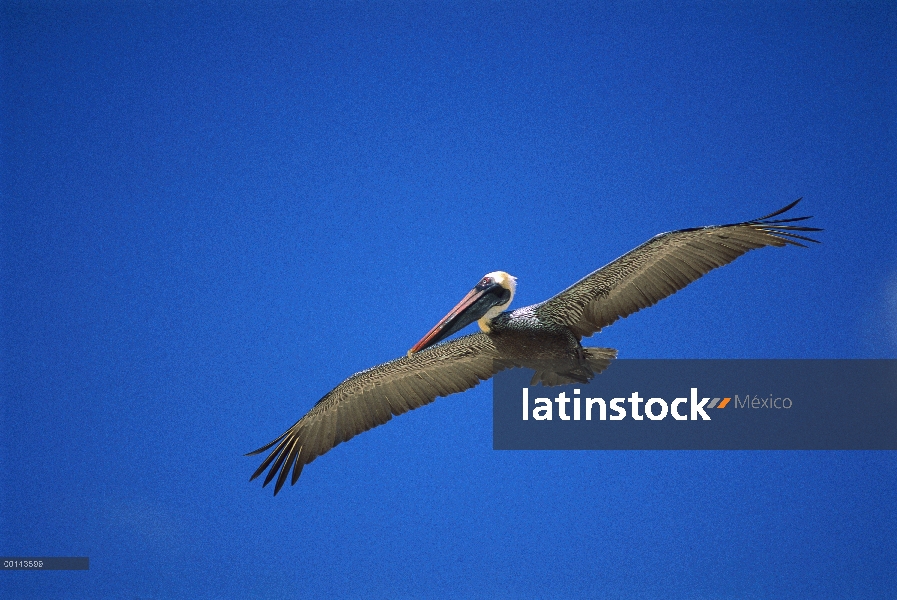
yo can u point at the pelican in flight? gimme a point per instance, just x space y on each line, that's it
545 336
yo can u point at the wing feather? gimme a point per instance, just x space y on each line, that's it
662 266
372 397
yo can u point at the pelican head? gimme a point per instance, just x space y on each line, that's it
491 296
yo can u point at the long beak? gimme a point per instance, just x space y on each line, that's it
474 305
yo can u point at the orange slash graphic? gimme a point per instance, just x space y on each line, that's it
724 403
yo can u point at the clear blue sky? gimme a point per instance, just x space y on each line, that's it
211 216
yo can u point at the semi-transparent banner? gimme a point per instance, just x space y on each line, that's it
703 405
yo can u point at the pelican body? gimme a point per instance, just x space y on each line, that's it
545 337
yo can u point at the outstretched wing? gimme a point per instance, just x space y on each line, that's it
372 397
661 267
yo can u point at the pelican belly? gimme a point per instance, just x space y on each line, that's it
552 351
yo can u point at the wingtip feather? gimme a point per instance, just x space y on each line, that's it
780 211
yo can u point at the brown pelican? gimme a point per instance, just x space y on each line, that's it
545 336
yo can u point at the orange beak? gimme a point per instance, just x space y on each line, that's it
475 304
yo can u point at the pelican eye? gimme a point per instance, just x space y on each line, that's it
485 282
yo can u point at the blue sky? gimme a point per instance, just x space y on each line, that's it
213 215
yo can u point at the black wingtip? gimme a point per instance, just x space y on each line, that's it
260 470
297 471
783 231
276 466
274 454
266 446
291 458
782 210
